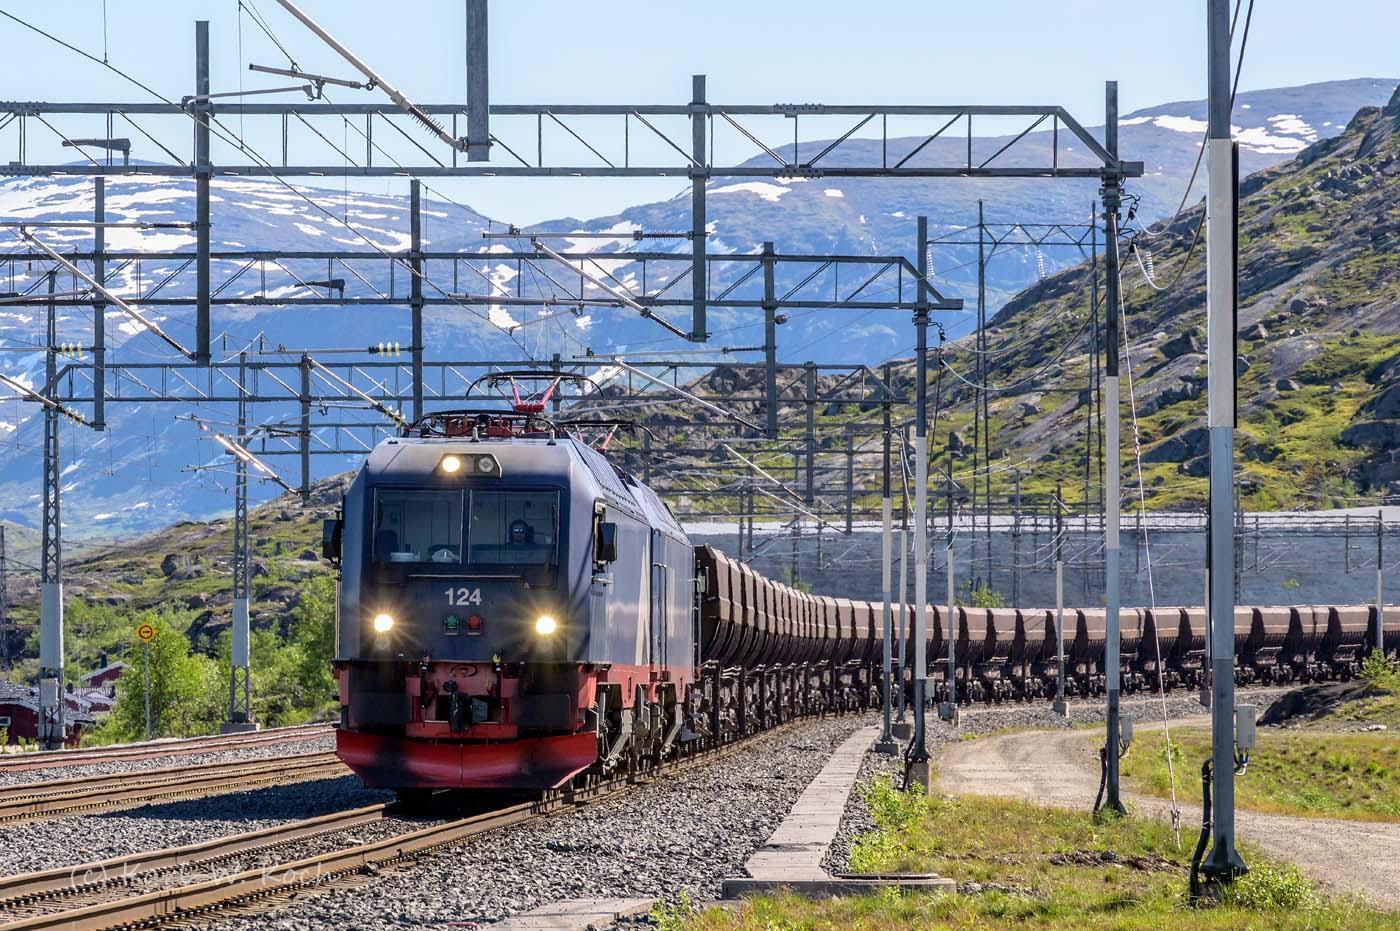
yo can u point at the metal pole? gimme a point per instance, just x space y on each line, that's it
240 712
981 401
770 341
1224 862
51 728
903 602
950 623
415 265
304 434
4 606
918 753
146 692
1060 706
202 171
699 174
1015 544
99 307
809 493
851 482
1381 580
1111 200
478 87
886 741
1092 416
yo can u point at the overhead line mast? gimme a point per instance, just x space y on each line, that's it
1222 201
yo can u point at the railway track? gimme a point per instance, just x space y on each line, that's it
89 897
66 888
23 762
58 797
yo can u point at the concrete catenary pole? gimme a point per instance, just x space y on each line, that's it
918 753
1381 583
886 741
950 622
1060 706
1112 516
1224 862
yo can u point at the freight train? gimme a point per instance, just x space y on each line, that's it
515 612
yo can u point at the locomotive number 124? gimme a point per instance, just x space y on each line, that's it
463 596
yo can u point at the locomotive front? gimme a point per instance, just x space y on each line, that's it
462 617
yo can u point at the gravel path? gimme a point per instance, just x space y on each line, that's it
682 833
324 743
988 719
41 845
1063 769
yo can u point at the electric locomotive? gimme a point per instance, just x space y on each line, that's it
512 609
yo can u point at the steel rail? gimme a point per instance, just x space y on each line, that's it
30 888
105 792
212 743
184 902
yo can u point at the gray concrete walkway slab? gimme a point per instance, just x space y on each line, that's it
792 857
575 915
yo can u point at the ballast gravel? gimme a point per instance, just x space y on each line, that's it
319 743
685 832
31 846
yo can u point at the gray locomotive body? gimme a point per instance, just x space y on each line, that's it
507 607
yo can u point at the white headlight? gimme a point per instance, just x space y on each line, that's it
450 465
545 625
382 623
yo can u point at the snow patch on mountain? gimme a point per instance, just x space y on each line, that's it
1293 124
764 189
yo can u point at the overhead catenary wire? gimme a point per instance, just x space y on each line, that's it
1147 550
227 135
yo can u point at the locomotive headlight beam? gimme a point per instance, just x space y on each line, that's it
545 625
382 623
450 465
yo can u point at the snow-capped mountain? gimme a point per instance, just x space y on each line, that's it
131 476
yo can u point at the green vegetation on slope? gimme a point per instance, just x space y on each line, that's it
1319 322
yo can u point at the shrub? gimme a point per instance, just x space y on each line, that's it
1272 888
1381 672
673 916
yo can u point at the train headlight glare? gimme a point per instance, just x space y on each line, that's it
382 623
451 465
545 625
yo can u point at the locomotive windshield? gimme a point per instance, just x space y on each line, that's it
513 528
418 526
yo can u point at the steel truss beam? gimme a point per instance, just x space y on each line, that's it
261 272
606 134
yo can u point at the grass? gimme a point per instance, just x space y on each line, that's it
1041 868
1308 773
1380 703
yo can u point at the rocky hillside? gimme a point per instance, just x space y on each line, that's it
1319 329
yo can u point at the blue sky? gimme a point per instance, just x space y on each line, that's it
935 51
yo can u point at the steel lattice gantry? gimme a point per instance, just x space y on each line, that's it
695 139
586 140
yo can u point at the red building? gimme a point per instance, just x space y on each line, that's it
105 677
19 714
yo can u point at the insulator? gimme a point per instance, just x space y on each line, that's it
1040 263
